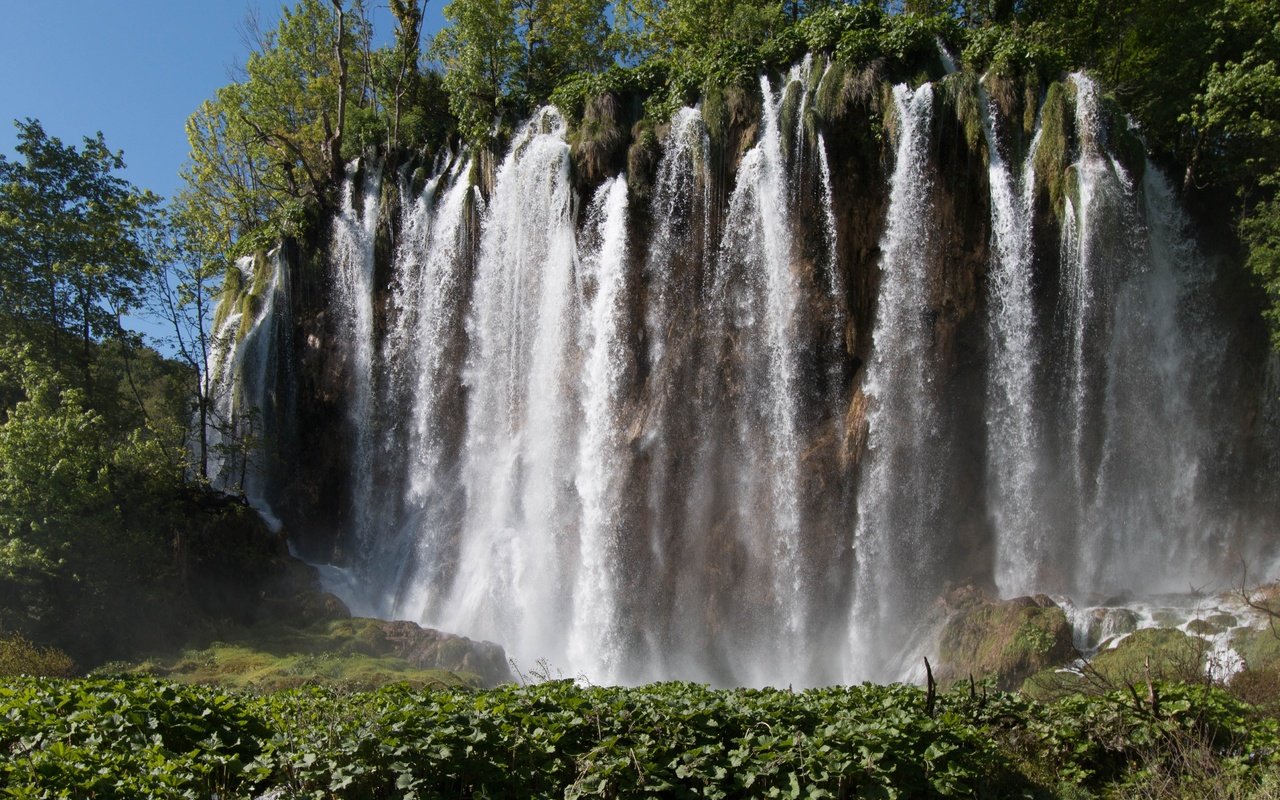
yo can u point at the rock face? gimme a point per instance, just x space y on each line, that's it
837 339
1008 640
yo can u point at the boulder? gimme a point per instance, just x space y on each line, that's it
1007 640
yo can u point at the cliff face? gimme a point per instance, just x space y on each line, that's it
734 397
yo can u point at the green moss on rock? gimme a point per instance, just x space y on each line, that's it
1053 154
1006 640
1260 649
1172 655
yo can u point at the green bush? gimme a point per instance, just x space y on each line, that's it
111 738
18 656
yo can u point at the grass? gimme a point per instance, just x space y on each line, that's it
348 654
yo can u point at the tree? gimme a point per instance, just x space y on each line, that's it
405 57
184 298
506 56
481 53
74 244
84 510
265 147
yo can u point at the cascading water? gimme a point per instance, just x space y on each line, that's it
1017 486
898 501
243 383
595 638
518 549
756 280
609 430
431 492
351 251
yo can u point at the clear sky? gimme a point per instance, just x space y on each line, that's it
133 69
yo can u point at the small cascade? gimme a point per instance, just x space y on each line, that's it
351 254
898 496
1018 502
244 383
595 637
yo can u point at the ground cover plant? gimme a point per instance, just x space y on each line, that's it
147 738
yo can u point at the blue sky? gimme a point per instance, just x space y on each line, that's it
133 69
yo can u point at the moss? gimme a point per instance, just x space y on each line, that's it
1172 654
829 97
1260 649
961 98
1007 641
1052 158
597 141
791 98
1204 627
643 157
352 653
229 296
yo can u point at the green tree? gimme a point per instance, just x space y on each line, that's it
266 146
693 27
481 53
505 57
74 246
184 298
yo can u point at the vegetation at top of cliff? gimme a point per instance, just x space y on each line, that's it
267 151
138 738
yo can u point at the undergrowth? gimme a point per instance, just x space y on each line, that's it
145 738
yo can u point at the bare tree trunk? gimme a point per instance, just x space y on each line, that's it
335 139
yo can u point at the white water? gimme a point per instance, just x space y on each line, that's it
897 499
760 287
1019 506
241 379
351 252
594 639
518 538
589 429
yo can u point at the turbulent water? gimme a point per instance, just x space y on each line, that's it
636 432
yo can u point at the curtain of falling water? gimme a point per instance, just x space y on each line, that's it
897 497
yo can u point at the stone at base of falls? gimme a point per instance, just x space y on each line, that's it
424 648
1007 640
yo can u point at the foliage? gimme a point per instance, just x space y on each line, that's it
74 240
19 656
1260 230
505 57
145 738
86 512
268 144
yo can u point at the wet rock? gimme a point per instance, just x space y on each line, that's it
1008 640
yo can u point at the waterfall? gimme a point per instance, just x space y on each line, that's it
430 268
351 253
898 494
243 385
1017 484
594 639
515 569
618 425
756 279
